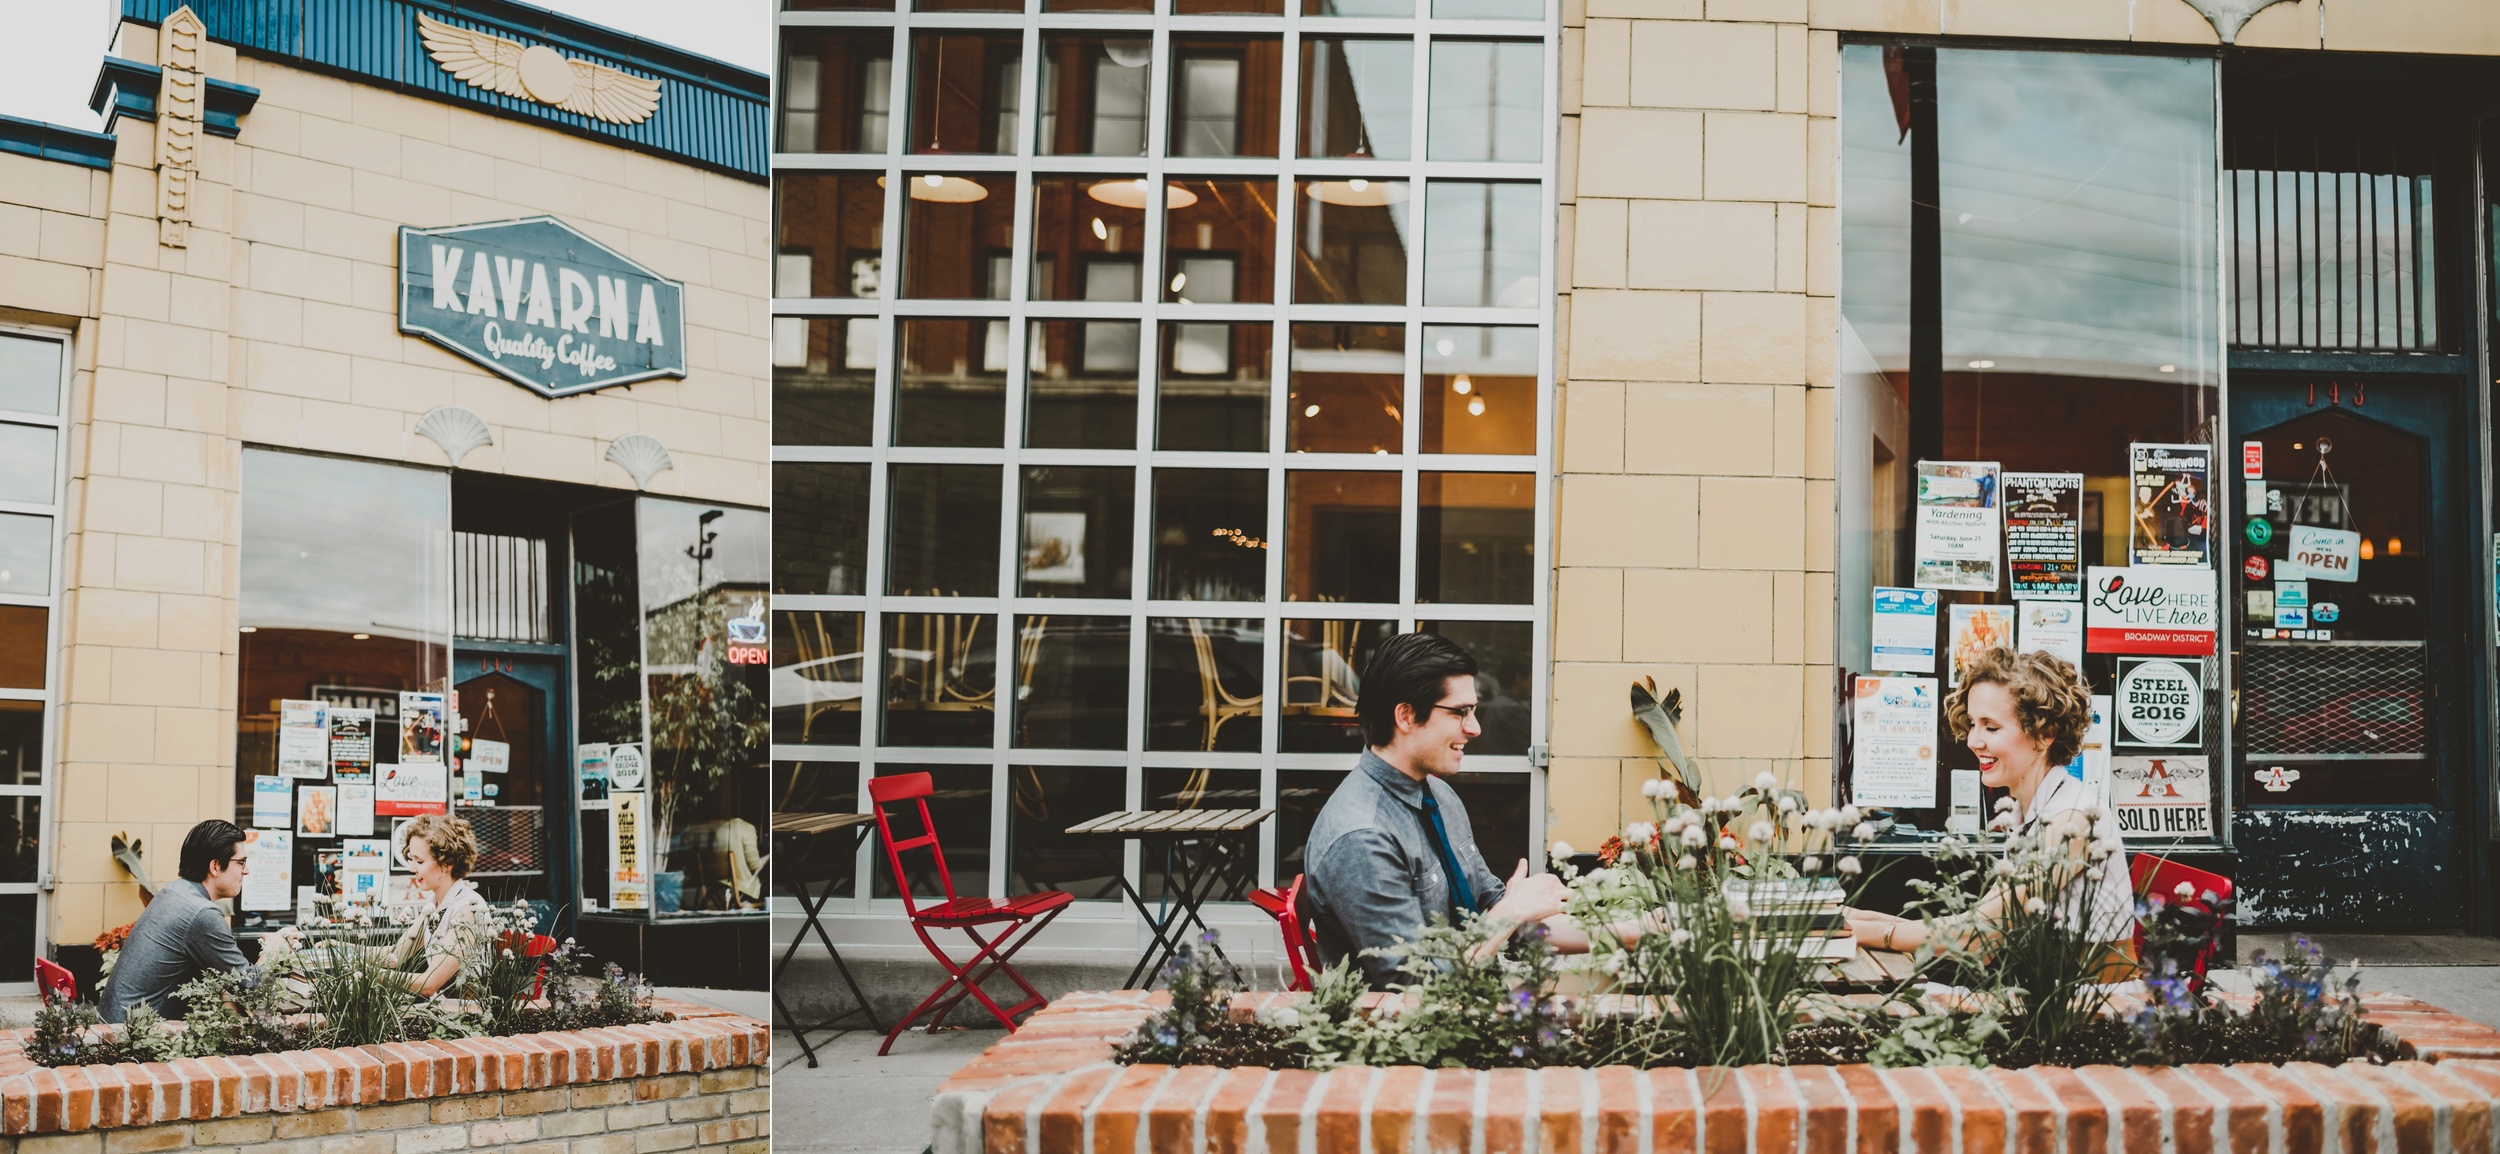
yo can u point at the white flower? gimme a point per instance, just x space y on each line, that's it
1737 910
1811 864
1727 843
1849 815
1788 803
2100 850
1694 837
1639 832
2092 873
2004 868
1864 832
1679 936
2034 906
2094 812
2002 823
1614 962
1761 831
1649 788
1561 852
1675 825
1709 805
1686 862
2185 891
1847 865
2005 804
1765 782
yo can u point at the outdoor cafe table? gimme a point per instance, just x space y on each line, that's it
1206 853
800 837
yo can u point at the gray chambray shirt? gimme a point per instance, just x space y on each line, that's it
1373 876
181 935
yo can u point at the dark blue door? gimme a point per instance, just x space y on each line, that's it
512 702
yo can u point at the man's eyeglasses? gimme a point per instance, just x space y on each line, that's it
1462 712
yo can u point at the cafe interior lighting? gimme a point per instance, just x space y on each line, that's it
1131 194
940 188
1462 384
2395 546
1310 410
249 629
1100 232
1475 406
1983 364
2369 551
1356 192
361 636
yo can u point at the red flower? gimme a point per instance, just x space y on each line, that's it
1611 850
114 939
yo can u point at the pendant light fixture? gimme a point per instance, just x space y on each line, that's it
942 189
1131 194
1358 192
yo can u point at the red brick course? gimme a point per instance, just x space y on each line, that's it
39 1100
1051 1087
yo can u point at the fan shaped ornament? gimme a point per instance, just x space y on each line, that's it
538 72
456 429
642 456
2229 16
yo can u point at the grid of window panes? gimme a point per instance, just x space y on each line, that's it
1138 366
34 394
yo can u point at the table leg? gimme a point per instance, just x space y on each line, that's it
813 906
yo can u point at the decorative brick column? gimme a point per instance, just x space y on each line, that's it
700 1081
1052 1087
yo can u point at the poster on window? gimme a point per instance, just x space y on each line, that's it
2054 628
592 758
1904 639
399 846
1977 629
2044 535
1960 531
351 745
629 882
270 882
1893 742
2162 797
2162 610
303 739
404 789
1054 548
317 811
2170 503
625 767
421 728
273 801
356 810
2161 703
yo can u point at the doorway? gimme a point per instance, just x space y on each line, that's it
513 719
2352 670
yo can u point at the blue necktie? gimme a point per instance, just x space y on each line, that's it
1462 895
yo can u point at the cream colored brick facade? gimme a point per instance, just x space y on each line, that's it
1699 264
277 326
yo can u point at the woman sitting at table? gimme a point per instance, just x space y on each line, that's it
2024 715
457 921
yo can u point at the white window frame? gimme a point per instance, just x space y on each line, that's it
857 918
51 600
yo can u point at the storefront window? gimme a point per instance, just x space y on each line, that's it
823 547
818 681
824 379
1353 242
836 89
1093 94
1323 677
1203 694
1213 391
1348 390
1341 531
1226 95
1479 390
704 575
942 531
1488 100
25 554
1476 539
957 234
1072 688
1210 535
1480 245
32 424
952 389
1220 242
1080 385
830 232
1358 97
1089 238
1047 800
964 89
1077 530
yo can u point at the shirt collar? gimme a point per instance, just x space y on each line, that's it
1392 779
2058 779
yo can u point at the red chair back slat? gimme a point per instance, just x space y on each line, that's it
914 788
55 982
2159 877
1293 918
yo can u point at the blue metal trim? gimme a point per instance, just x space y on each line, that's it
56 142
129 88
711 114
228 104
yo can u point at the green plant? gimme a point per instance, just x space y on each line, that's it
70 1034
240 1012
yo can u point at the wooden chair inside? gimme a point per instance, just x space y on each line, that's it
1216 704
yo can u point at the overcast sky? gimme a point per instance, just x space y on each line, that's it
49 58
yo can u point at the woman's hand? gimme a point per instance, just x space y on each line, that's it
1877 931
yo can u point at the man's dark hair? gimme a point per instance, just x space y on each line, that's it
1409 669
210 841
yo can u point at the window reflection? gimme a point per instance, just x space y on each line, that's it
704 575
820 528
942 530
21 844
1089 238
1341 536
1098 5
1213 390
1210 541
1299 795
1505 680
1348 389
1497 809
1093 95
1041 855
952 389
1488 9
23 644
1475 538
957 236
1071 682
1203 692
1324 661
1226 94
1479 390
836 89
959 812
1480 244
824 380
1220 242
1358 97
964 89
30 375
1487 100
1228 7
21 735
1358 7
820 677
829 864
1353 242
830 235
25 554
1077 530
1080 385
941 678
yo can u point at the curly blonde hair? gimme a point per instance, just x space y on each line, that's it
2052 703
449 839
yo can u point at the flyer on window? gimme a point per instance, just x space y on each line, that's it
421 729
629 881
1977 629
2162 797
407 788
273 801
2054 628
356 811
2044 535
270 882
351 745
364 855
1893 742
1904 638
2171 505
303 739
1960 529
592 758
317 811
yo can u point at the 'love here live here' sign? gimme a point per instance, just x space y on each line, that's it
541 304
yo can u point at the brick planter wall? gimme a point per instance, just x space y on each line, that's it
701 1081
1051 1087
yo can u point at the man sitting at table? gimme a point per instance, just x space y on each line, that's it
183 934
1392 850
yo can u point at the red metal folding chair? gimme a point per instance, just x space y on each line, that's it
1025 916
55 983
1301 941
2158 878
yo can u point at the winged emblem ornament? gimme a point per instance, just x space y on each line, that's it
538 72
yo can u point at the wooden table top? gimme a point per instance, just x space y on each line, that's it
1873 968
1146 822
818 822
